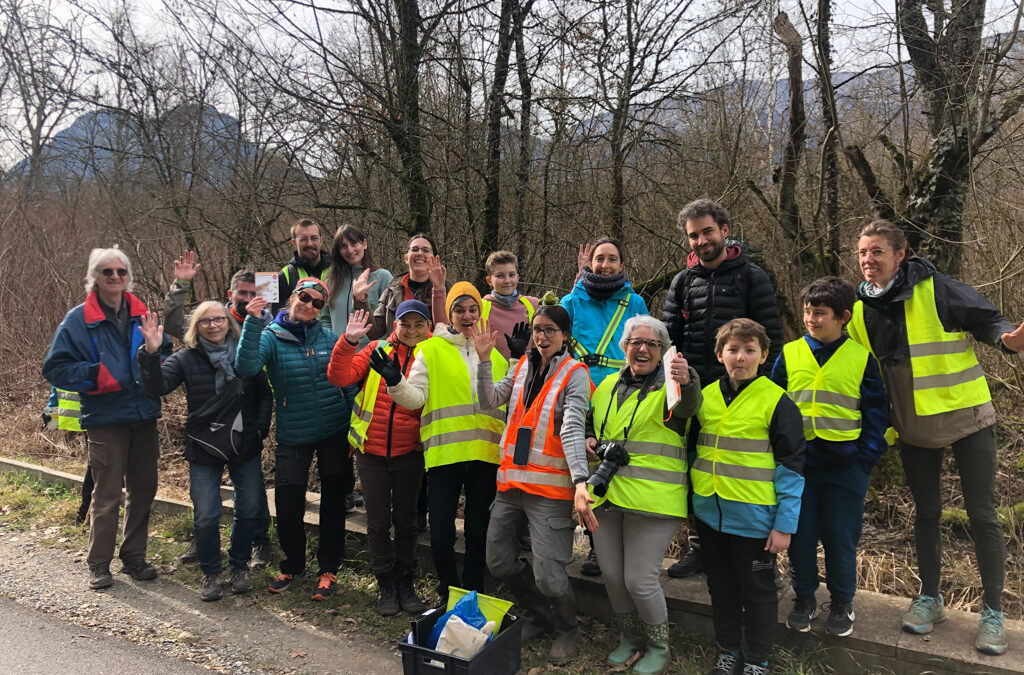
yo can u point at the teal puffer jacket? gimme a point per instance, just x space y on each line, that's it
309 408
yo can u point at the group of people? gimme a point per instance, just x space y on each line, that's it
545 413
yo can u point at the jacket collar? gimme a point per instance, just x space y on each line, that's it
93 313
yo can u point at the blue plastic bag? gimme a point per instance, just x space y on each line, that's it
467 609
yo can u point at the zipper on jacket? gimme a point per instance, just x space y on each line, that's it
391 415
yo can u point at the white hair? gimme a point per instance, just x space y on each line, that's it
655 325
99 256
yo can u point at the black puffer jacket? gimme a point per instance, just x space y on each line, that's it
700 301
193 367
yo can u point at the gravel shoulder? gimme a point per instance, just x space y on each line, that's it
234 635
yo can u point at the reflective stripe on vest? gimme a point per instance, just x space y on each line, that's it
69 410
609 334
734 454
546 472
655 480
366 399
946 373
453 428
485 311
828 396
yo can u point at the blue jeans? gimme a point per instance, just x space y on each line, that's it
832 510
204 488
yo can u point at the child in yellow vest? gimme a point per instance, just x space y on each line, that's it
747 459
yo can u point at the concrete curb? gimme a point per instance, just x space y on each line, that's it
877 644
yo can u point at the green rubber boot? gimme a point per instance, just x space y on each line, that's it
631 639
656 654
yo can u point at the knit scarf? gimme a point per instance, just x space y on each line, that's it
599 287
222 357
505 300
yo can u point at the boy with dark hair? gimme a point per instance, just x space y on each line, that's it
505 306
746 461
837 386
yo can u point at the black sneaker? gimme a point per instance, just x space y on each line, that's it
590 567
260 556
727 663
805 610
687 566
191 553
140 570
840 619
100 577
283 582
350 503
210 591
325 584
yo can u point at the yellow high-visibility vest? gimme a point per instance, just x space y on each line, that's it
734 453
485 311
366 399
69 410
828 396
453 427
946 373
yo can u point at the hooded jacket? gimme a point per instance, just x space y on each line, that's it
90 356
393 430
701 300
960 308
335 316
309 408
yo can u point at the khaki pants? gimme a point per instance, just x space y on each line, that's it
122 455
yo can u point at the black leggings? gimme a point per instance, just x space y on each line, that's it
976 462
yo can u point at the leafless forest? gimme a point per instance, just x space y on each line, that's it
520 124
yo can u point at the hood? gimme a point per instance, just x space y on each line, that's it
443 331
734 255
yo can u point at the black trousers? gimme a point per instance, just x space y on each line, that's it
334 467
391 486
446 484
741 581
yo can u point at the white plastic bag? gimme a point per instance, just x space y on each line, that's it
462 640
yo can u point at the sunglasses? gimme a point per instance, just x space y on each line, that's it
307 298
111 271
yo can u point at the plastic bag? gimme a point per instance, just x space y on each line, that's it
467 609
460 639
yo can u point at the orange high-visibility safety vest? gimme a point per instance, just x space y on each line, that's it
546 473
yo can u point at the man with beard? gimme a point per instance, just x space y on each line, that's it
719 284
241 290
310 259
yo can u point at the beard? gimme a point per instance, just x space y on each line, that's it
708 254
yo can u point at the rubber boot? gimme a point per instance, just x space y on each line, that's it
566 644
655 656
540 620
631 638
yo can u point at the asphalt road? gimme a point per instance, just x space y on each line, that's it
34 643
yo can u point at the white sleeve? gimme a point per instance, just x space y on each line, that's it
411 392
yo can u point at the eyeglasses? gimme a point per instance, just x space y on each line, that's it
243 294
425 250
309 240
546 332
305 298
638 343
111 271
213 321
874 253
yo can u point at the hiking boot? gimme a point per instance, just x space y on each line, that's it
100 577
140 570
755 669
840 619
631 638
387 601
991 632
350 503
240 582
590 567
566 644
191 553
407 597
210 590
687 566
924 613
260 556
283 582
727 663
324 586
805 610
656 653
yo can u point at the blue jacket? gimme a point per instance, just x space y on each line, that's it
88 355
874 409
309 408
755 521
591 317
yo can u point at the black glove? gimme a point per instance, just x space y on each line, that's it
390 370
518 340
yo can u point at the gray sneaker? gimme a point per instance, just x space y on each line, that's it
925 611
240 582
260 556
191 553
211 588
991 632
100 577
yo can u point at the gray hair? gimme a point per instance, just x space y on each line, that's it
649 321
99 256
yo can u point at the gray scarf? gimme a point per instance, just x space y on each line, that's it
873 291
504 300
222 357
